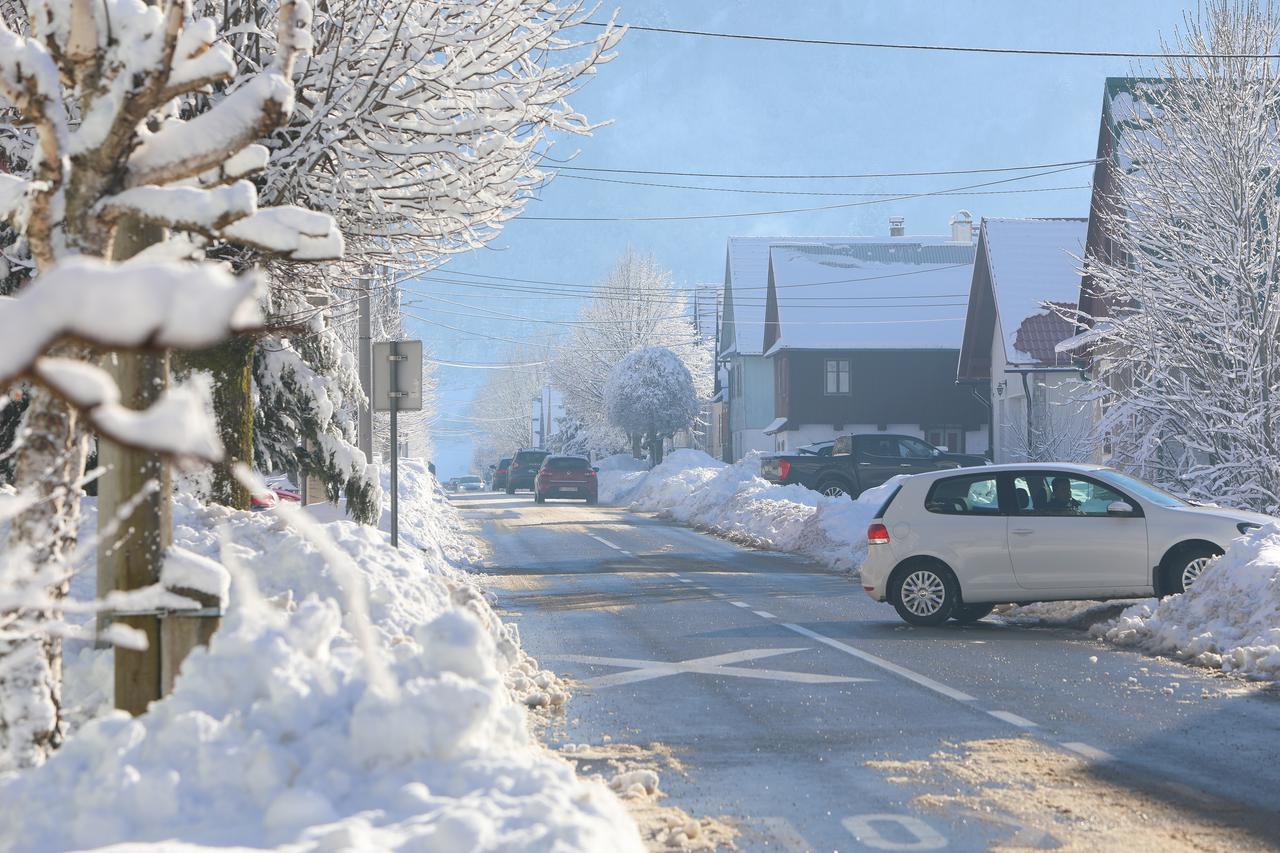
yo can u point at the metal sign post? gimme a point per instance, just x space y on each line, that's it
397 386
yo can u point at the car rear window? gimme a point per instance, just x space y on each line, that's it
566 463
503 463
531 456
884 507
975 494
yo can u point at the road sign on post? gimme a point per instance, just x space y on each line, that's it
397 387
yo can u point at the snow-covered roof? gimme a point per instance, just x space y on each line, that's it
1032 262
746 281
870 293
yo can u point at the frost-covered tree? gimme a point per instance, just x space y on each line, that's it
503 407
421 126
110 160
650 393
1189 353
634 306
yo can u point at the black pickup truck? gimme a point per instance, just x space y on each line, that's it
861 462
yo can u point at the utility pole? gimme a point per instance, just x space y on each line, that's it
364 426
395 444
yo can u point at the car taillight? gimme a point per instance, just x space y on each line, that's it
589 472
784 469
877 534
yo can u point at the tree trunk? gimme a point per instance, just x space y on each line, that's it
231 366
637 445
655 449
49 462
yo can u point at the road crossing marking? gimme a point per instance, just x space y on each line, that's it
605 542
646 670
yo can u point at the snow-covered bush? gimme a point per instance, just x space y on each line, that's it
650 393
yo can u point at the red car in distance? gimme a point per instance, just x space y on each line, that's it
566 477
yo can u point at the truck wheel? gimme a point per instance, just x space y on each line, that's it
835 489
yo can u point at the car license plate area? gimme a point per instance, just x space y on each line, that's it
568 488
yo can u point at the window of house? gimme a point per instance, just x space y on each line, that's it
952 438
837 376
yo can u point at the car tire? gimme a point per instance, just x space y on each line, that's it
592 501
511 490
1183 565
835 487
538 499
968 613
924 592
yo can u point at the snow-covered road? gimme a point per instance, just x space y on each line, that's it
812 718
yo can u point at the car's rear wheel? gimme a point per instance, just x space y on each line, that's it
511 490
924 593
538 499
966 613
1184 567
835 488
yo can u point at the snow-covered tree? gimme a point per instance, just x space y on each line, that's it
421 126
650 393
634 306
110 157
1189 354
503 407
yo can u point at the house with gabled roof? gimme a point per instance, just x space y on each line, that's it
863 334
1026 280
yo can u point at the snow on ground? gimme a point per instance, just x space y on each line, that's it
733 501
315 723
1228 620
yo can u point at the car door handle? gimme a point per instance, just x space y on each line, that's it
1022 531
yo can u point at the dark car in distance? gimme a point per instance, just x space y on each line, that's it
566 477
862 461
499 483
525 463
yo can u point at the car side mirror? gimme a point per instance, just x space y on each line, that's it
594 468
1119 508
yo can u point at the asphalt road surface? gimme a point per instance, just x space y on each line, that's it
775 681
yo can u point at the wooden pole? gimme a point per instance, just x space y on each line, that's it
131 557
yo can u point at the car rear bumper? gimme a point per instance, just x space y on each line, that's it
876 570
580 492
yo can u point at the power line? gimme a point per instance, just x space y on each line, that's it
1004 51
811 177
748 191
825 207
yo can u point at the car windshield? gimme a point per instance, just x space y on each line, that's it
1141 488
468 479
565 463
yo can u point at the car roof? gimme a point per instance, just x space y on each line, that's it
1077 467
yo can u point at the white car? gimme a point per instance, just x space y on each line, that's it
953 544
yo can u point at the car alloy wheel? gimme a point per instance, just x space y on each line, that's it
1193 569
923 593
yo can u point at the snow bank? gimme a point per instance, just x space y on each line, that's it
733 501
314 723
1229 620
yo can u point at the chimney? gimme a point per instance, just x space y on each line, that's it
897 226
962 227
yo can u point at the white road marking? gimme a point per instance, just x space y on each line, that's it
625 553
862 827
1014 719
739 604
720 594
646 670
765 613
1090 752
605 542
685 580
922 680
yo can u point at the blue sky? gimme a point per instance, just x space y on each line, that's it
694 104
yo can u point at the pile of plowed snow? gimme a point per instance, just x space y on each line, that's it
733 501
355 697
1229 620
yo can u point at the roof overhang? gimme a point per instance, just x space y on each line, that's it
778 425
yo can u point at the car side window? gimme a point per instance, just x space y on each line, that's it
1051 493
877 446
971 495
914 448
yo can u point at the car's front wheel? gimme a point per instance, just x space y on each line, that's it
966 613
1183 568
924 593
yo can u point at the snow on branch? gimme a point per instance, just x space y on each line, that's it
204 211
175 425
295 232
122 306
13 195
